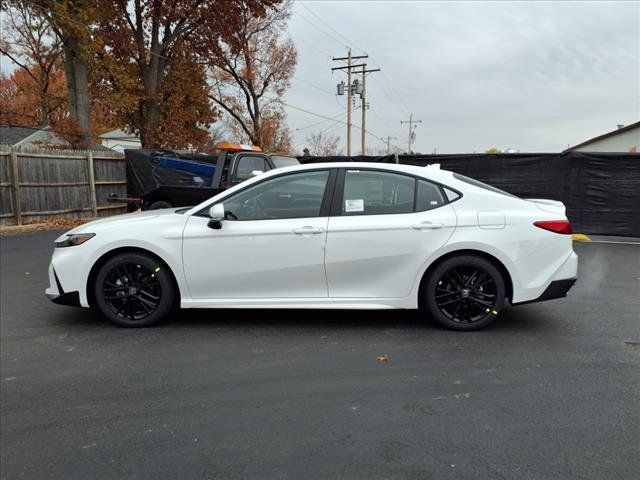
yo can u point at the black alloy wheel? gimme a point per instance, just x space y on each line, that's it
465 293
134 290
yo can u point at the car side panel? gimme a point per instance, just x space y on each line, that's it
380 255
73 275
534 257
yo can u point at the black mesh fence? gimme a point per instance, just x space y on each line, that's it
600 190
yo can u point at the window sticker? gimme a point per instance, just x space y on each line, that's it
356 205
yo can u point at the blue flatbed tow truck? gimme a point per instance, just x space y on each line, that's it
165 179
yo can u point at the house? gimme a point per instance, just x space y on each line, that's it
118 140
18 136
623 139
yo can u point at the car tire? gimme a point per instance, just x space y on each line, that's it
134 290
464 292
160 204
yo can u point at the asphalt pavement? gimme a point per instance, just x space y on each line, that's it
551 391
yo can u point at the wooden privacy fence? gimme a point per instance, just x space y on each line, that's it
40 183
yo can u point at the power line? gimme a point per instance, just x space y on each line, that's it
305 111
329 26
315 25
311 45
311 84
337 122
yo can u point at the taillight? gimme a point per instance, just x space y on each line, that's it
556 226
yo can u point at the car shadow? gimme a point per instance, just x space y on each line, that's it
511 320
527 319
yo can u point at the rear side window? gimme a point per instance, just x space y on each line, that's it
479 184
377 193
428 196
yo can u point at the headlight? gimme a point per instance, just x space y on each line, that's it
74 239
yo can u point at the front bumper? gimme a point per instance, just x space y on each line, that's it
56 293
69 298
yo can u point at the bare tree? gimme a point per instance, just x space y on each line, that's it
250 70
323 145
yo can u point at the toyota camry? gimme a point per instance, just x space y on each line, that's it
338 235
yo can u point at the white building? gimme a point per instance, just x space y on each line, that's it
119 140
623 139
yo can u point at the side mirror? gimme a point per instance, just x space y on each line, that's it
216 214
255 173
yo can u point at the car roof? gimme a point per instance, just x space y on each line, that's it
429 171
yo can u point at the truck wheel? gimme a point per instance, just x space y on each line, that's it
134 290
160 204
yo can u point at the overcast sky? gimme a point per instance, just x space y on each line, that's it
532 76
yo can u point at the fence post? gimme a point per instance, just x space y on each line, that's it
92 184
17 209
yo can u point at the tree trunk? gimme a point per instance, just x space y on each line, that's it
77 77
153 75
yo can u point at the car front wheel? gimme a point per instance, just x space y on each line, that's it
464 293
134 290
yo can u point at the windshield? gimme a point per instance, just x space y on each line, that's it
281 161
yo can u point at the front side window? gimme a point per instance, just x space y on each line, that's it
377 193
296 195
247 164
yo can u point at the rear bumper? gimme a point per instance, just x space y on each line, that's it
556 289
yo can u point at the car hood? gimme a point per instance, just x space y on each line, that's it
120 220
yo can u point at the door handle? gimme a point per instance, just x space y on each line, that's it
308 230
427 226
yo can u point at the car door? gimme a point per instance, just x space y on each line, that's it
271 244
383 228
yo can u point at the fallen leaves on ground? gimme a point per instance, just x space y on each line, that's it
53 223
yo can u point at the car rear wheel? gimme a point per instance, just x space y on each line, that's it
464 293
134 290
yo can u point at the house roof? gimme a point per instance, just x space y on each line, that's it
19 136
606 135
11 135
118 134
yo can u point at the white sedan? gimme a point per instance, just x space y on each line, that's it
339 235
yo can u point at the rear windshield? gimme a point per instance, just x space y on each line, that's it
479 184
281 161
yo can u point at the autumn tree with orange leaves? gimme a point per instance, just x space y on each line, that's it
149 62
250 70
147 66
34 92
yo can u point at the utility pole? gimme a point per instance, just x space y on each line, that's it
411 121
348 67
389 144
363 106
